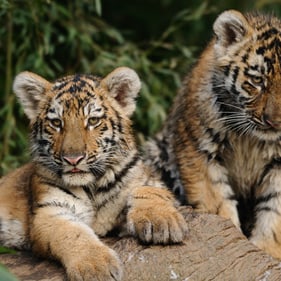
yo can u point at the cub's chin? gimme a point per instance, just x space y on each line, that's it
267 134
78 178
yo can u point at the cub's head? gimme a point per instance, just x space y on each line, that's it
80 124
247 79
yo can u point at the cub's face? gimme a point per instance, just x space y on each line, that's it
248 77
80 124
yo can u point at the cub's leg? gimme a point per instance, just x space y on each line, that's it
76 246
266 233
153 217
57 233
208 190
60 230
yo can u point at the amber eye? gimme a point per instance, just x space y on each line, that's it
257 80
56 122
92 121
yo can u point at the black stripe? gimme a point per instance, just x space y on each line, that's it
235 72
73 89
52 184
63 205
119 123
267 209
266 198
61 93
248 88
270 64
245 58
88 192
226 70
269 47
267 34
104 128
215 136
120 175
210 156
275 237
60 85
219 159
30 201
232 197
246 211
166 175
252 67
275 163
261 50
109 141
234 79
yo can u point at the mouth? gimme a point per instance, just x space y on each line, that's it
267 128
265 124
75 170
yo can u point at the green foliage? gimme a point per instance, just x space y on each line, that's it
5 275
160 39
4 250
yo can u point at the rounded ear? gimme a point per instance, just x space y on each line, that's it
123 84
30 89
231 27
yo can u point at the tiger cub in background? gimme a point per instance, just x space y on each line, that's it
86 177
220 148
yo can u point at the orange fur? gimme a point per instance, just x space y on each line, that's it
85 170
219 149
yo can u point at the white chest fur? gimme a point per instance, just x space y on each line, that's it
246 160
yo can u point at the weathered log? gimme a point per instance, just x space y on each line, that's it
213 250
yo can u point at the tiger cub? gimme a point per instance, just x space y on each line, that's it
220 148
86 177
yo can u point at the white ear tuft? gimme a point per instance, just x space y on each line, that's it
30 89
123 84
230 27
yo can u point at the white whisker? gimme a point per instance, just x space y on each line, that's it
229 105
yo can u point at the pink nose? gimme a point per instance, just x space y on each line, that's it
73 159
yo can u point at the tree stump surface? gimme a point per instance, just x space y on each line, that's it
213 250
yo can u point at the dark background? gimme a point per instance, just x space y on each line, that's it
160 39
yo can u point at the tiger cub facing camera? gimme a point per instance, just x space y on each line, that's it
86 177
220 148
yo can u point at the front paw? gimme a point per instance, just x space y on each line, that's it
153 218
95 264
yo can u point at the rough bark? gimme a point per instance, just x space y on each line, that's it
213 250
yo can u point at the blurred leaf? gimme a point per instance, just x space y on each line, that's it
160 39
4 250
98 7
5 275
262 3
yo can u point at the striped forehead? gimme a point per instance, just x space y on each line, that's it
76 84
79 94
262 53
266 56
